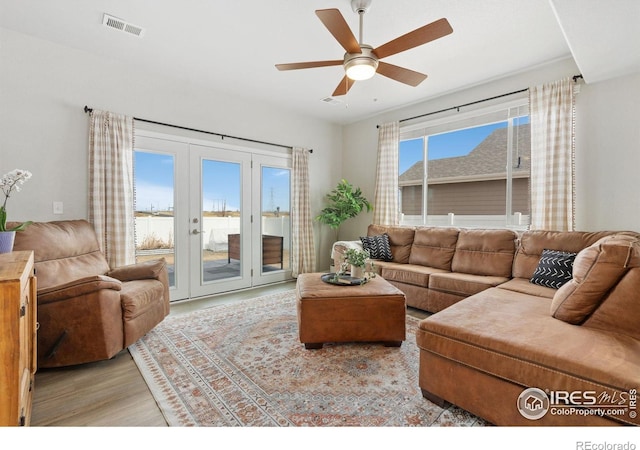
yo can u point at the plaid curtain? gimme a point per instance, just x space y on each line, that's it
303 254
111 185
385 205
552 115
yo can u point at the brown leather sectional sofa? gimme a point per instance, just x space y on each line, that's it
514 352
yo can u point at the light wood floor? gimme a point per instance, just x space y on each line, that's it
113 393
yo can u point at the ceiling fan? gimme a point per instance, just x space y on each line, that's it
361 61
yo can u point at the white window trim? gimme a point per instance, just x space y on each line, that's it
512 109
453 117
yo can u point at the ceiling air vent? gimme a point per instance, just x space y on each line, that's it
121 25
331 101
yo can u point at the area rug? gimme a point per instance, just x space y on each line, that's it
242 364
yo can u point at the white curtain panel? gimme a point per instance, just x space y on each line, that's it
552 115
303 254
385 205
111 200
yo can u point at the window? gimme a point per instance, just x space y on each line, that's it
470 171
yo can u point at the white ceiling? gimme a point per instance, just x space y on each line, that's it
233 45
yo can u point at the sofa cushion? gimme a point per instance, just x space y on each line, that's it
377 246
596 270
484 252
518 341
524 286
434 247
463 284
400 240
409 273
554 269
620 311
532 243
64 251
140 296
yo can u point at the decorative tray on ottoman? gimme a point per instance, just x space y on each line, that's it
342 280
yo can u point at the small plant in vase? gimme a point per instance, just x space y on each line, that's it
359 262
9 182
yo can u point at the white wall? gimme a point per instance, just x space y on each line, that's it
608 155
607 145
43 128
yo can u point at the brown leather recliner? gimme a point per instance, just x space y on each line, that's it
86 311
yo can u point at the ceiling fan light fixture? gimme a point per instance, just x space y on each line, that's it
359 69
361 66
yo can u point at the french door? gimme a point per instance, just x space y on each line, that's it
219 214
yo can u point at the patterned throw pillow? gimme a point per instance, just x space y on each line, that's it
554 269
378 246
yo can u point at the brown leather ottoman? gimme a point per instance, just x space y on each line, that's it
373 312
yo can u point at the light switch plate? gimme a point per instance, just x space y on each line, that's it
58 207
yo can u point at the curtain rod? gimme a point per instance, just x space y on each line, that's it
89 110
457 108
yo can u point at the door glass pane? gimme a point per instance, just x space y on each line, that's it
154 197
220 227
276 218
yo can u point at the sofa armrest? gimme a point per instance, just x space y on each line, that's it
149 270
140 271
77 288
339 249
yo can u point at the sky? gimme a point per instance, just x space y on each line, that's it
447 145
154 180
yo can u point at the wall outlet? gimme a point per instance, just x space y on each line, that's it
58 207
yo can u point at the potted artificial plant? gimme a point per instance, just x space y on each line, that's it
345 202
358 260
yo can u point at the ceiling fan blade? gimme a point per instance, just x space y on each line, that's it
400 74
419 36
309 65
343 87
338 27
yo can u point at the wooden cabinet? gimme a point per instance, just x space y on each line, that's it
18 328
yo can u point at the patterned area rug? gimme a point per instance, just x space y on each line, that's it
242 365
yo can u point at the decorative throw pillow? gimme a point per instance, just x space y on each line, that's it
378 246
596 271
554 269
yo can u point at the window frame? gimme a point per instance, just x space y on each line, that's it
509 112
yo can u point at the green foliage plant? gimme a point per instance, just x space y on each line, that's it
345 203
356 257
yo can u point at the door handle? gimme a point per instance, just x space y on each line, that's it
196 231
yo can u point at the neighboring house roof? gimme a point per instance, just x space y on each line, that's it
486 161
